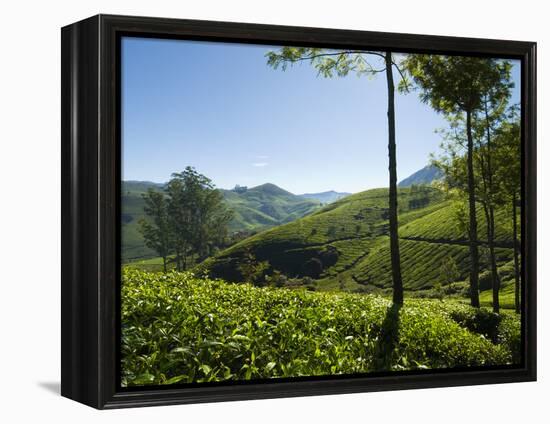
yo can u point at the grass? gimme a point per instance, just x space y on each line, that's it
506 297
151 265
177 328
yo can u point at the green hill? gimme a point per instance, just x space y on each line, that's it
254 209
131 212
265 205
426 175
345 245
325 196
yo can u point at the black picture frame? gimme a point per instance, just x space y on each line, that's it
91 162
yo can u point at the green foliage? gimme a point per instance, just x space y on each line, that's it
177 328
449 271
480 321
265 206
251 270
157 233
420 263
454 84
503 329
506 297
429 235
438 290
328 63
447 224
338 235
197 216
253 209
185 220
508 174
277 279
132 203
313 268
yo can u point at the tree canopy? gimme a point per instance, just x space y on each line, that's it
187 220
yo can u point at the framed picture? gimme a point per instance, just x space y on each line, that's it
254 211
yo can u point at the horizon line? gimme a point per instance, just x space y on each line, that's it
259 185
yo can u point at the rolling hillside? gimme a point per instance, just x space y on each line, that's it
131 212
345 245
265 206
426 175
325 197
256 208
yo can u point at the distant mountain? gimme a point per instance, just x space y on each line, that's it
426 175
264 206
325 197
255 208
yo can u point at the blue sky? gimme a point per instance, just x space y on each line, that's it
220 108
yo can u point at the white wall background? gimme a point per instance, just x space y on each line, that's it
30 211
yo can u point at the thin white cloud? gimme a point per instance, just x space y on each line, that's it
262 157
260 164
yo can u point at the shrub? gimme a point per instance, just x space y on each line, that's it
480 321
307 281
485 281
177 328
277 279
251 269
312 268
329 256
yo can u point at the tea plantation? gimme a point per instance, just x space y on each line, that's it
177 328
348 242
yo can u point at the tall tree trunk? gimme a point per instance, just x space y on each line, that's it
474 254
494 268
516 256
490 228
490 212
164 264
394 236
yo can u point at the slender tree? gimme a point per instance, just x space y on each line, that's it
331 63
507 155
456 85
494 113
156 231
179 221
487 200
496 163
489 189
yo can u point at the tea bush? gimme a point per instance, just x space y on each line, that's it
177 328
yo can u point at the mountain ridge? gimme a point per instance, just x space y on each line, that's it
325 196
260 207
424 176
